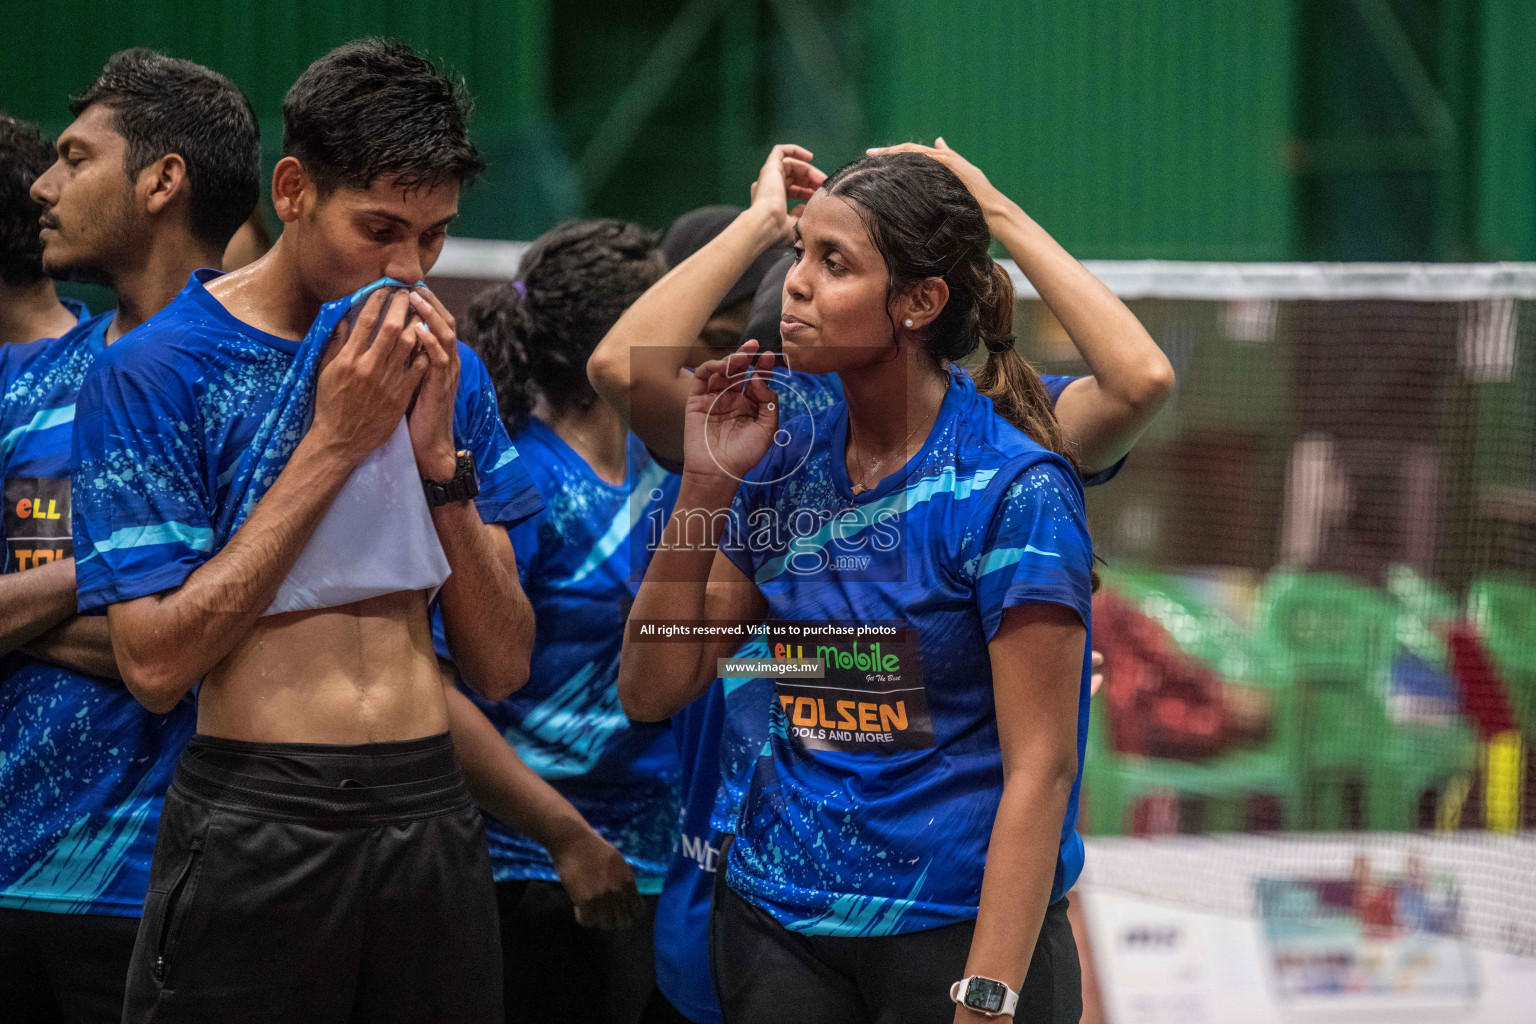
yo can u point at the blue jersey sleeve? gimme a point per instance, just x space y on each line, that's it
507 494
143 507
1054 386
1035 547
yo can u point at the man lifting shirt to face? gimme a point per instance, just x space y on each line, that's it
205 472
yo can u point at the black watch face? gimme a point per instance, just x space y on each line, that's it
986 995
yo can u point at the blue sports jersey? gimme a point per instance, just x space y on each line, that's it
682 913
581 561
719 741
745 733
168 425
872 811
83 766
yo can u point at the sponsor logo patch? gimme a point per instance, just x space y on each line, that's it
37 523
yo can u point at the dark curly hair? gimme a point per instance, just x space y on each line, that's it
24 154
925 223
536 333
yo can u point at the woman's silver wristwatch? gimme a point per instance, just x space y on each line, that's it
984 995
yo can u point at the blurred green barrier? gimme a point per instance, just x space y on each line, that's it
1115 782
1335 639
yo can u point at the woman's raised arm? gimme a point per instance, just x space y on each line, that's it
730 419
638 368
1102 415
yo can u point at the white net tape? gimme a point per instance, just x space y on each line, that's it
1170 279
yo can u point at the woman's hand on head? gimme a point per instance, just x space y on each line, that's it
787 175
732 415
983 191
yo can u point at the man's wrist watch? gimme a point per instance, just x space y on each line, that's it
462 487
986 996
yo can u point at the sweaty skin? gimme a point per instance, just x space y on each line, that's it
359 673
364 672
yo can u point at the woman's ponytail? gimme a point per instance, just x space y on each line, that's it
1016 391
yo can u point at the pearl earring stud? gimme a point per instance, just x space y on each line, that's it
909 321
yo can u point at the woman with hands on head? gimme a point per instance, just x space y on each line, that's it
907 836
639 366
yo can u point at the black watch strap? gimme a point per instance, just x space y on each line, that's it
462 487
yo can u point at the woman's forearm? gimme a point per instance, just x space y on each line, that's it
1101 415
1016 884
501 782
657 678
1123 357
636 367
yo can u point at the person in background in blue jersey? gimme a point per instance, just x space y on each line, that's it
886 860
318 858
156 172
721 734
580 561
29 306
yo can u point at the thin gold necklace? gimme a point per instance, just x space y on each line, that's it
859 486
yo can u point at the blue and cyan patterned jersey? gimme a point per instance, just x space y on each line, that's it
581 561
871 813
175 433
744 734
682 913
83 766
719 742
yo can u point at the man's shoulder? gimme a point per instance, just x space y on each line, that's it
172 340
47 374
24 352
470 363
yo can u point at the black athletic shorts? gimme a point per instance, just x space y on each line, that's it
556 970
316 883
768 974
63 968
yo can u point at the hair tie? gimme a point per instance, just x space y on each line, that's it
520 288
1002 344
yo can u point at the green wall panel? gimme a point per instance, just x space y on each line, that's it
1178 129
1505 132
499 46
1132 129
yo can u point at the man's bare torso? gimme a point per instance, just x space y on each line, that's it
360 673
